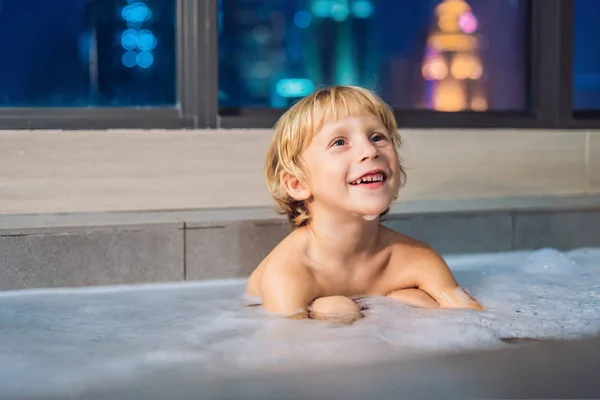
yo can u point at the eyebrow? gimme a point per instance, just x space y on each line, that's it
370 129
333 133
339 131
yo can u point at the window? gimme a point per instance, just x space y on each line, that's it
586 62
443 55
82 53
173 64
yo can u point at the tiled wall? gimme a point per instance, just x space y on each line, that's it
122 253
49 172
94 256
593 164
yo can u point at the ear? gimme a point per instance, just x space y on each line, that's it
295 187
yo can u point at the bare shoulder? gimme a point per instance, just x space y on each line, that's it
284 283
407 250
427 270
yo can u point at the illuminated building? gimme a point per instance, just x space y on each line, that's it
137 42
336 19
452 65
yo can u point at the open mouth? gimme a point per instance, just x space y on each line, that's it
371 179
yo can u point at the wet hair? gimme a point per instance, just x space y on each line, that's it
296 128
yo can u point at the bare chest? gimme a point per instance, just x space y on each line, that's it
366 279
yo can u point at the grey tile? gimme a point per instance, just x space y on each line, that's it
593 167
559 230
459 233
147 253
211 251
71 222
401 225
200 217
230 249
498 204
256 240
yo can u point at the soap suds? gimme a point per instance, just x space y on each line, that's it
64 341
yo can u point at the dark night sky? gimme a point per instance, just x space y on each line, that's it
44 56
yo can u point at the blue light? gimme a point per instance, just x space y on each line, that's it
129 39
362 8
145 59
146 41
136 12
294 87
126 13
84 46
339 12
220 16
321 8
129 59
302 19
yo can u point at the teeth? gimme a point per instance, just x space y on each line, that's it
370 178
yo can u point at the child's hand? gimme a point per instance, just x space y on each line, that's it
436 279
457 297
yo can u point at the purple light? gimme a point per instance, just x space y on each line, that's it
467 22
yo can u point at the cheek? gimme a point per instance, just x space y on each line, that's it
393 159
393 163
390 152
328 164
327 175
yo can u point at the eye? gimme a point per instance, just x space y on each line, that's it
338 142
377 137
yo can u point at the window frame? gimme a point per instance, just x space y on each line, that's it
550 59
189 111
550 53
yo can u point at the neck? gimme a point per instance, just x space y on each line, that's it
339 240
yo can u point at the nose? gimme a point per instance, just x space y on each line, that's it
368 152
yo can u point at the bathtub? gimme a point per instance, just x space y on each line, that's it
204 340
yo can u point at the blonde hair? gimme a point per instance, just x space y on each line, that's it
296 128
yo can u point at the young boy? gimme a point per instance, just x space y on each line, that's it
333 167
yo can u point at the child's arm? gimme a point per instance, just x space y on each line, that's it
288 291
435 278
292 293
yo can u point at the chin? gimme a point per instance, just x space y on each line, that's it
374 205
372 210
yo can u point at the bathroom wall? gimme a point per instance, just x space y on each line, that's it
78 171
103 208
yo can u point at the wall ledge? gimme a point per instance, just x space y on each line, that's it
19 224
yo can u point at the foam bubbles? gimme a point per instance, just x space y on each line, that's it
549 261
75 339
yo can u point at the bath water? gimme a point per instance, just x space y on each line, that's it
64 341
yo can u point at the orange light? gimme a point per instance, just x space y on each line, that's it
435 69
479 104
449 96
466 66
455 7
476 70
448 23
452 42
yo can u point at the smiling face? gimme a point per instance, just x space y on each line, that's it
335 149
352 166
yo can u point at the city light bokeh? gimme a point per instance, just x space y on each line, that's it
270 52
137 42
452 65
442 55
